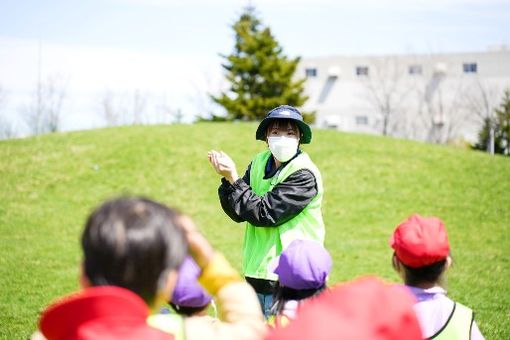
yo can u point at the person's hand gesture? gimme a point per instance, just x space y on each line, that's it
223 165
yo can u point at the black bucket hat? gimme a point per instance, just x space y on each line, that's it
285 112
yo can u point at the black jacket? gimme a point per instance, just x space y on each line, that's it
284 202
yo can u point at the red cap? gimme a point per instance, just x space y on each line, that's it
364 309
104 312
420 241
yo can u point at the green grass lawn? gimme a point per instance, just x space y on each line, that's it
49 184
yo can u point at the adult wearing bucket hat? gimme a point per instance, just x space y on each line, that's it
279 197
285 112
421 257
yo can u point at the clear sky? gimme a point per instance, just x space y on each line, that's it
168 49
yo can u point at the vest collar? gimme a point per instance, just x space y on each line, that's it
271 169
427 294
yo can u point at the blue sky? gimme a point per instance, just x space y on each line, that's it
169 49
304 27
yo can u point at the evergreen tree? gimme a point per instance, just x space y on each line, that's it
261 77
503 119
501 125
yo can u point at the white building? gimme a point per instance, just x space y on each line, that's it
436 97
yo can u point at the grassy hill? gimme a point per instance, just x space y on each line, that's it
49 184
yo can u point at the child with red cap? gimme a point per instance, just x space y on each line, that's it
133 248
421 257
121 277
302 270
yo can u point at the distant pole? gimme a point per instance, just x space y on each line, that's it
491 138
39 61
39 88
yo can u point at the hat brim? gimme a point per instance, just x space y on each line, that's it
306 132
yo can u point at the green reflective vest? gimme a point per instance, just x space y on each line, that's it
458 326
263 244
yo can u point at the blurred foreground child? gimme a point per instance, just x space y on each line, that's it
365 309
132 250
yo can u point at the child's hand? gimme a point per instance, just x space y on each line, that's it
200 249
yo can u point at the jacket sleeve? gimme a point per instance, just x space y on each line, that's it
284 202
225 191
240 316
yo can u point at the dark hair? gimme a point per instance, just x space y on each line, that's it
187 311
425 274
284 122
283 294
132 242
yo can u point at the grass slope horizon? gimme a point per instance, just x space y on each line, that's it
49 184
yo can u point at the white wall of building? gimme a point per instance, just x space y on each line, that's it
436 97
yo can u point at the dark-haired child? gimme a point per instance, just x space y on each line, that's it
132 250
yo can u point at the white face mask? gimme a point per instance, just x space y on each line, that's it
283 148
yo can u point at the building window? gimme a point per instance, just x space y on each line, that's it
311 72
362 71
415 69
361 120
469 67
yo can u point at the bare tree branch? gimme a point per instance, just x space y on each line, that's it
6 127
440 108
386 92
107 109
113 108
139 104
123 109
43 114
201 98
481 99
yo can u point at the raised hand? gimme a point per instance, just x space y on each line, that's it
223 165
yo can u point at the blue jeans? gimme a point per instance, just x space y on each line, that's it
266 301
